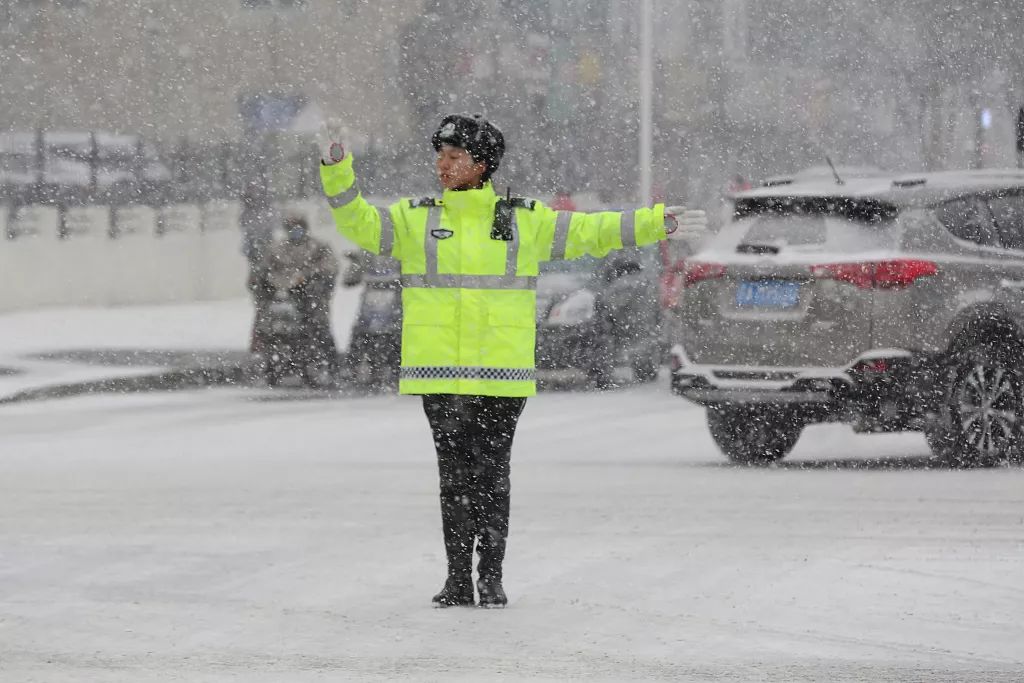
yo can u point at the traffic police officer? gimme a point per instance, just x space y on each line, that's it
469 265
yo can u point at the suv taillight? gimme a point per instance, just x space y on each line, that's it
886 274
698 271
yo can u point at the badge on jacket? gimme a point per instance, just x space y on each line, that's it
441 233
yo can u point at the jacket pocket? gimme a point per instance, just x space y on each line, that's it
430 334
509 340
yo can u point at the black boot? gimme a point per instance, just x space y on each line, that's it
457 519
459 530
491 487
491 593
457 592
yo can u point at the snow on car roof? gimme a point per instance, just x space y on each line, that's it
905 189
820 172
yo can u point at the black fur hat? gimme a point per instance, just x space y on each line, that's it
476 135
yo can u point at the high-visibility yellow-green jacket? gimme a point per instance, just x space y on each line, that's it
469 300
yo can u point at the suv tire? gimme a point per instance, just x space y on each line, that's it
980 415
750 435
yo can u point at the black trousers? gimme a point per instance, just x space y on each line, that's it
473 437
314 306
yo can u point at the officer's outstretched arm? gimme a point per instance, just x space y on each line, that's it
572 234
370 227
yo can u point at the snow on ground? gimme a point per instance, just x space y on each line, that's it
247 535
213 325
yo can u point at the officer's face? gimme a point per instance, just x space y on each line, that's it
456 169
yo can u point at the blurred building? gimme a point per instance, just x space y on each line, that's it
741 87
761 88
198 68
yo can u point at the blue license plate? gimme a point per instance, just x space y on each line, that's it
768 294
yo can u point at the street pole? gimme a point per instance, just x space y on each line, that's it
646 87
275 39
151 31
978 156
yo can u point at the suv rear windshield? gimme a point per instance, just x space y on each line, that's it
842 222
792 230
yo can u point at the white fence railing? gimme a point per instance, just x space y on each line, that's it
106 256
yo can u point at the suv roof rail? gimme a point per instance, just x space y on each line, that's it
909 182
774 182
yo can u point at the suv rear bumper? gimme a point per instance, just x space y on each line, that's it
707 396
883 388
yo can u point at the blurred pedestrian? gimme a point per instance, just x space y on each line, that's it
308 268
256 221
469 264
1020 138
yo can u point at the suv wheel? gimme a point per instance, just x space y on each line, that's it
754 435
981 413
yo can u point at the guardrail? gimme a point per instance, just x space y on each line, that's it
108 255
133 254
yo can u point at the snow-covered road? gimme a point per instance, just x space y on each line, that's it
249 535
238 535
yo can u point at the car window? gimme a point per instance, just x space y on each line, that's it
787 229
968 220
808 232
585 264
646 256
1008 212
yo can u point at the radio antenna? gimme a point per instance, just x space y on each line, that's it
839 181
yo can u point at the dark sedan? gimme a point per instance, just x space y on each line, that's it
596 316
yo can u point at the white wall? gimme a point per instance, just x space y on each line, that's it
199 258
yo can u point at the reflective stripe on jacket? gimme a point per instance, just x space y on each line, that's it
469 300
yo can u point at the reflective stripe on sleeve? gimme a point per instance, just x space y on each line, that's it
561 234
512 252
430 242
340 200
627 229
460 372
387 231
